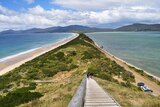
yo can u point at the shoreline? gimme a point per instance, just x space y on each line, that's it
18 54
32 49
128 64
11 63
138 77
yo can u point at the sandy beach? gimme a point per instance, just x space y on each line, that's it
138 78
12 63
129 64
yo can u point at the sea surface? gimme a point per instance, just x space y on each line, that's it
12 45
141 49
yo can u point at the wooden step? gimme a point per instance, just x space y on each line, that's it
97 97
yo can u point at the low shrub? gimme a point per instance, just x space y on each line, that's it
60 56
19 96
49 72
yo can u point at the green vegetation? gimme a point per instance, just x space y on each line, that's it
66 65
18 96
106 69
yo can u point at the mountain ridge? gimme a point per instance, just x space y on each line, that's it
80 28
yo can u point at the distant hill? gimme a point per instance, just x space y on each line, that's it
140 27
7 31
79 28
71 28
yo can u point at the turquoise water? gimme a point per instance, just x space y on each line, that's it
141 49
14 44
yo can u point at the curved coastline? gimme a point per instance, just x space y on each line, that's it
128 64
33 49
11 62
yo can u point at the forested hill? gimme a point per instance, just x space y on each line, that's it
140 27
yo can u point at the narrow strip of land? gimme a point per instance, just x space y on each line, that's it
97 97
12 63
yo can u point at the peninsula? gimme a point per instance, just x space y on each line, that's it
52 77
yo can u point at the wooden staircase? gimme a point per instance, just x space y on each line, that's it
96 97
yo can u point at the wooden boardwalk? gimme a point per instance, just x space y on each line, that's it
97 97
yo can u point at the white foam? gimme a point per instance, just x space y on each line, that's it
24 52
21 53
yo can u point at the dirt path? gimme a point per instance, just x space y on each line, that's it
59 77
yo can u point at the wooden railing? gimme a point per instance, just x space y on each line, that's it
78 98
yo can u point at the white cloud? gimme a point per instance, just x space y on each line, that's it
5 10
39 17
36 10
30 1
106 4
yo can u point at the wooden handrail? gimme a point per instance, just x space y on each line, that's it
78 98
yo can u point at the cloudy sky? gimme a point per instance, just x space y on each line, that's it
23 14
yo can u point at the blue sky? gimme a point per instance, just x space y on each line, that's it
18 5
24 14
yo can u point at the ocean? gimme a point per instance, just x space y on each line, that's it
141 49
12 45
